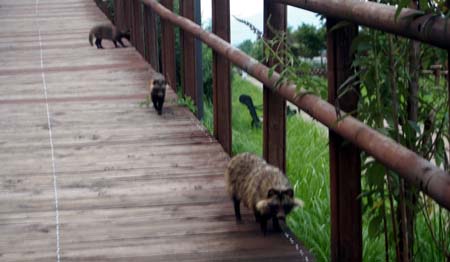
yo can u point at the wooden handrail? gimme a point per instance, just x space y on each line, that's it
430 29
427 177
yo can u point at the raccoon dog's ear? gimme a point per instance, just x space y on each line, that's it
271 192
298 202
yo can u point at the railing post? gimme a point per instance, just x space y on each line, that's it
274 109
133 22
126 5
222 76
151 38
192 56
448 97
136 33
118 13
345 163
168 48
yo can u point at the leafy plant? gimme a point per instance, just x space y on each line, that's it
147 102
187 102
414 117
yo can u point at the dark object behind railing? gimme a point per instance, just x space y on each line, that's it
248 102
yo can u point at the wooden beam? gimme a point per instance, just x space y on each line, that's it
192 57
274 123
137 35
127 15
133 22
151 38
119 15
345 163
222 76
168 48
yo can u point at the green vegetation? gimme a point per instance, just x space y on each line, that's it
307 40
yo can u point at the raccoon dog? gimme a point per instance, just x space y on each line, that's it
262 187
157 88
109 32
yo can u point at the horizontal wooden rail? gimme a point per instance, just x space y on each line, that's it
430 179
102 5
426 28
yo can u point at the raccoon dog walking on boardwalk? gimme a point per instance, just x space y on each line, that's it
157 87
109 32
261 187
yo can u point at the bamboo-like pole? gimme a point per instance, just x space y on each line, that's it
427 177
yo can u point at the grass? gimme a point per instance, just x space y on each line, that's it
308 171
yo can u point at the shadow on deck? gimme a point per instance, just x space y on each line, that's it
87 174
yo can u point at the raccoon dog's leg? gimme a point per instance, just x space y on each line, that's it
98 43
263 222
115 43
257 216
276 224
237 209
161 102
157 104
120 42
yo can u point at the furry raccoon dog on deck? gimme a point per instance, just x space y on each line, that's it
109 32
157 87
261 187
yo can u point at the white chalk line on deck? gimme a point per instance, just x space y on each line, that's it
52 148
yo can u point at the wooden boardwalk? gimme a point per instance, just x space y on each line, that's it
88 175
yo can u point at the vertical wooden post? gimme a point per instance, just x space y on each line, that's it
137 26
168 48
448 96
133 22
192 57
274 109
127 15
151 38
345 163
222 76
118 13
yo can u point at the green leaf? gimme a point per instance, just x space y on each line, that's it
361 43
375 226
414 126
401 5
339 26
271 70
375 175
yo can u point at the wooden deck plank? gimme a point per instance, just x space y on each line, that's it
132 185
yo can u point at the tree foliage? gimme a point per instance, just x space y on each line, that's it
307 41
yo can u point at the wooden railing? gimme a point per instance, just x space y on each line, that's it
103 5
345 168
